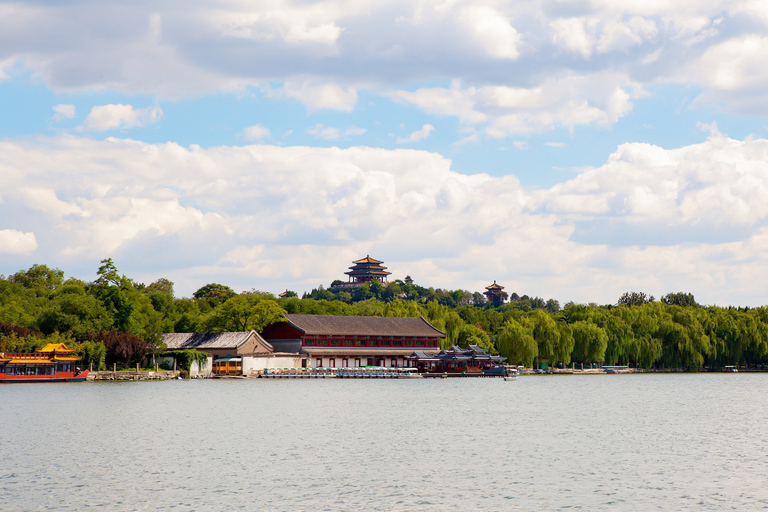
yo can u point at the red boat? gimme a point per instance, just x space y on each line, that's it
52 363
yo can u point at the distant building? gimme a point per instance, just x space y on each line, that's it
366 270
232 353
495 293
354 341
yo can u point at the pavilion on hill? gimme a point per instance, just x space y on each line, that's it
495 293
366 270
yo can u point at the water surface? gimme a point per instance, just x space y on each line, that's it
599 442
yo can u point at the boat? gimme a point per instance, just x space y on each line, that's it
615 369
731 369
54 362
511 372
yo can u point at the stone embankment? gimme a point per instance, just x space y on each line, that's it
133 375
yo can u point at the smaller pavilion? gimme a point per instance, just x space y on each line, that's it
495 293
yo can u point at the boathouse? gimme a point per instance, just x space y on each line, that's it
353 341
455 360
233 353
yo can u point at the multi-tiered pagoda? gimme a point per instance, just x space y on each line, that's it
366 270
495 293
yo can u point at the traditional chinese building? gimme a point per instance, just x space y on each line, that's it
354 341
457 360
366 270
495 293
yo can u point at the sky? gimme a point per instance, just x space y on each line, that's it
572 150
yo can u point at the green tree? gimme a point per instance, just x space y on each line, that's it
590 342
243 313
73 310
131 310
38 276
515 342
162 285
679 299
214 294
473 335
635 299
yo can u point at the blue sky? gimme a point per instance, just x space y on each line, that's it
572 150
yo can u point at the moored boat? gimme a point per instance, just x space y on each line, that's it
615 369
53 363
511 372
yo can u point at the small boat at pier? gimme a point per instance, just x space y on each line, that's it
511 372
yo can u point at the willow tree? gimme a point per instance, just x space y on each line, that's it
590 342
515 342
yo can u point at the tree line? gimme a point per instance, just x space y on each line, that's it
116 320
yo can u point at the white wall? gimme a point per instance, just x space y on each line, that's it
258 363
194 370
205 372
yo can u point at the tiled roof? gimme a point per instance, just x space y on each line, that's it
363 325
368 259
206 340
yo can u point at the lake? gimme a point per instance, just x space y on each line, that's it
594 442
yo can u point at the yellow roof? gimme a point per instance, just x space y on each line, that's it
56 347
67 358
367 259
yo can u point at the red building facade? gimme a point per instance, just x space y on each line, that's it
354 341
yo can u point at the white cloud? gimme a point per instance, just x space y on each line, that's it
593 100
417 136
574 35
119 116
320 131
693 218
64 112
355 131
317 96
493 31
17 242
733 73
256 132
325 54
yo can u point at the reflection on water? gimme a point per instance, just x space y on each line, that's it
621 442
